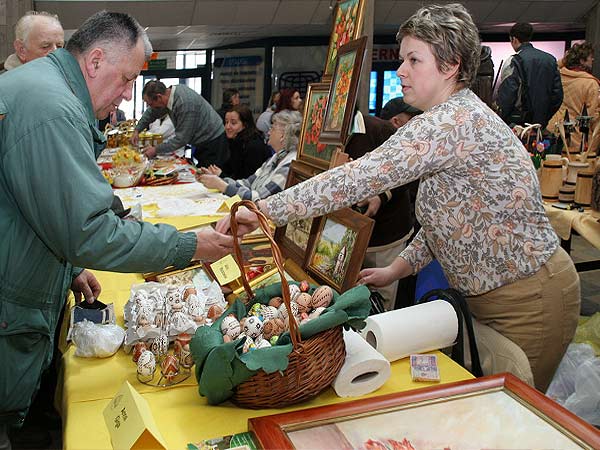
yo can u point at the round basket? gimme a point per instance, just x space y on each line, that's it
313 364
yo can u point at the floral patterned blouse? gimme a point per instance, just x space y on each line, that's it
479 200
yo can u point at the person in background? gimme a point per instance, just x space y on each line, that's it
263 123
580 89
231 98
397 112
479 202
53 229
289 99
37 34
532 93
114 119
246 146
196 123
270 178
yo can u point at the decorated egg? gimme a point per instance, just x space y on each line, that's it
322 297
230 326
273 340
283 312
263 343
146 364
160 345
169 367
316 312
255 310
276 302
269 329
214 312
304 286
253 327
199 320
268 312
304 302
248 344
138 349
227 338
294 291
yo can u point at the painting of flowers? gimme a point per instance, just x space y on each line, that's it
347 26
344 86
310 149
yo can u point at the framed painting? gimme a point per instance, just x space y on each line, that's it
338 248
310 150
347 26
294 238
340 110
498 411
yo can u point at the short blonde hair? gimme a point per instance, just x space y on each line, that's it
25 23
452 35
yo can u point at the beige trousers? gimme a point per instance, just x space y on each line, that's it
538 313
383 256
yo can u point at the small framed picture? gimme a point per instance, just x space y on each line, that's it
310 150
195 272
294 238
498 411
344 86
338 248
347 26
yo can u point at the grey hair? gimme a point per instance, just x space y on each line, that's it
25 24
292 120
451 33
116 33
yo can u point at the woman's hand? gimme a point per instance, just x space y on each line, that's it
384 276
211 170
247 222
86 285
212 245
212 182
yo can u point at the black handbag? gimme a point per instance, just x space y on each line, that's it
458 302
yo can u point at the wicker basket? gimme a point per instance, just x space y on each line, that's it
313 364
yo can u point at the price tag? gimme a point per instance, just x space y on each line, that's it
226 270
130 422
227 204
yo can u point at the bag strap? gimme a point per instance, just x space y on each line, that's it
458 302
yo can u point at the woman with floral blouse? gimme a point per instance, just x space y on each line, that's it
479 201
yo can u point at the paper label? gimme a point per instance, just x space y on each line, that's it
227 204
226 270
130 422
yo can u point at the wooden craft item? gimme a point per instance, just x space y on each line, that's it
583 188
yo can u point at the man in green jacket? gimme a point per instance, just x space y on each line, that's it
55 211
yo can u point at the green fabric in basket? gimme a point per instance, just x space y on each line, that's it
220 366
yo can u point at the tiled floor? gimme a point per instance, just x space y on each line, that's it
581 251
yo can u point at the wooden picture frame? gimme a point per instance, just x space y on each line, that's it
498 411
310 150
347 25
294 239
338 248
344 86
179 277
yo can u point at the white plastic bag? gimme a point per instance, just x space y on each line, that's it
563 383
96 341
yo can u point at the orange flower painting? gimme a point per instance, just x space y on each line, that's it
345 27
341 89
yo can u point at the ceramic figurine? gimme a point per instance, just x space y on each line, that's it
169 367
138 349
253 327
146 364
276 302
322 297
304 302
304 286
230 326
294 291
174 294
160 346
159 319
188 292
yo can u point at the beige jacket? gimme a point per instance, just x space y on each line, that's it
580 88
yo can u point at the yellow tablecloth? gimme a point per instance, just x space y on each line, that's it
181 414
585 223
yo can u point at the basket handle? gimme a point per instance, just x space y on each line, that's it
277 257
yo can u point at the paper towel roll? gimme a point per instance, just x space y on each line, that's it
416 329
364 371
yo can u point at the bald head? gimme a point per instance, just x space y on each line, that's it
37 34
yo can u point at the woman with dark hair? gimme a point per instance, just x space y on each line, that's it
580 89
246 145
289 99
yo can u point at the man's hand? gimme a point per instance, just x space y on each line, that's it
149 151
373 204
135 137
247 222
87 284
212 182
212 245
